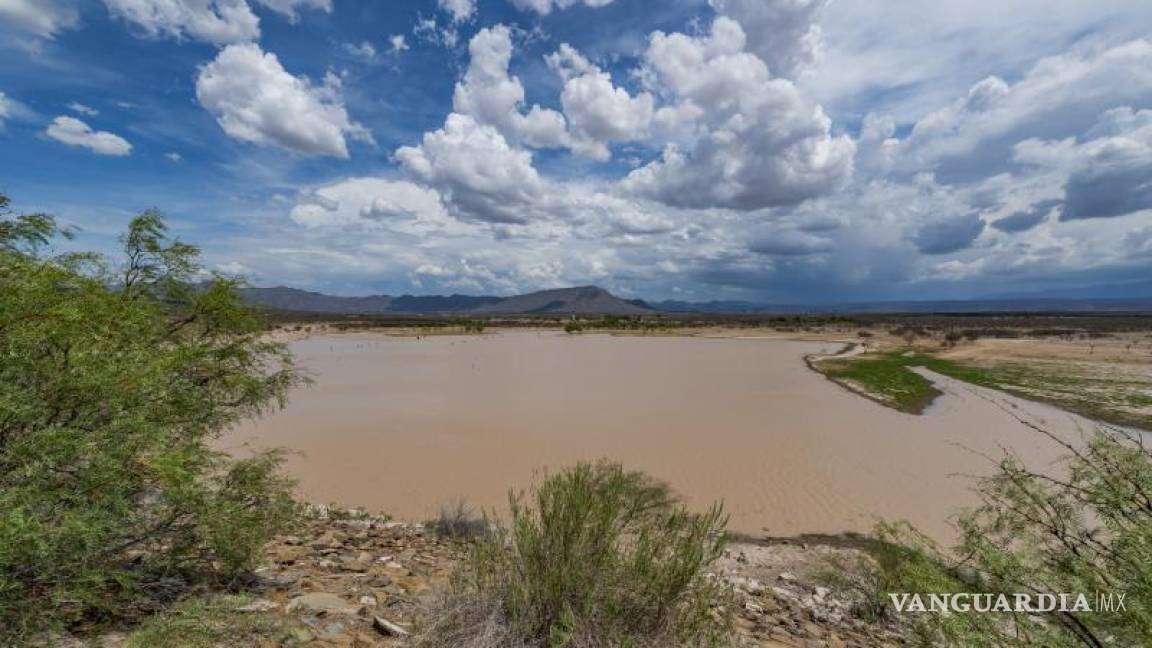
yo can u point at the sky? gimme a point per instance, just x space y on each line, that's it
799 151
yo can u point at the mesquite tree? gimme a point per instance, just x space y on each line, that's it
114 379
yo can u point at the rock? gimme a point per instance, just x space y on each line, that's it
813 630
259 605
821 592
787 577
321 603
329 540
750 585
339 640
301 635
368 600
387 628
355 564
380 580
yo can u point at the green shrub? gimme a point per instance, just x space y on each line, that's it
596 556
573 326
113 381
1087 530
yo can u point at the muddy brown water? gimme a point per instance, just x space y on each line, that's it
402 425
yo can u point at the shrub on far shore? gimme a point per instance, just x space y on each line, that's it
113 381
594 556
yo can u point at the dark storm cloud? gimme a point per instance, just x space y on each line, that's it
1026 219
1106 192
949 234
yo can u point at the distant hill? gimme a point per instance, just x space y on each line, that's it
584 300
294 299
593 300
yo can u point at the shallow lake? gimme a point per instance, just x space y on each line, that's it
404 425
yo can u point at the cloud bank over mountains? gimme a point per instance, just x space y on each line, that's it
763 148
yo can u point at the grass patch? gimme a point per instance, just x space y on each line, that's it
885 378
888 378
207 622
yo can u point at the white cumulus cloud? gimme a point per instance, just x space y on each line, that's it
289 8
214 21
491 96
745 139
458 10
545 7
783 33
598 112
254 99
73 132
476 170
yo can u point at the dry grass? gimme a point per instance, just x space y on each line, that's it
459 521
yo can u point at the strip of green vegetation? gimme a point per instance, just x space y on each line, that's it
884 377
887 378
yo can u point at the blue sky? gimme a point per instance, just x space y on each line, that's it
790 150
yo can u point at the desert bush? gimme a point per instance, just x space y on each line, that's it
573 326
1086 530
459 521
595 556
472 325
113 380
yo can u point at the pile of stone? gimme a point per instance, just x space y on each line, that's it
783 598
345 578
351 579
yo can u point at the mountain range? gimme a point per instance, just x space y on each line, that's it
593 300
582 300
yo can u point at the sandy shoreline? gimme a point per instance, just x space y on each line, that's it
402 425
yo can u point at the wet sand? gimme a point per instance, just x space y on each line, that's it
402 425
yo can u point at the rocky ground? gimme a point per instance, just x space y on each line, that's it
353 580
